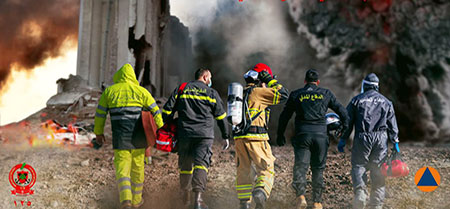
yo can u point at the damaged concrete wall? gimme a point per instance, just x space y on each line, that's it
113 33
177 55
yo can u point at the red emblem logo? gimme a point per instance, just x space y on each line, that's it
22 177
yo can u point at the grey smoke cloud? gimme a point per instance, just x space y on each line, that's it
230 37
406 42
34 31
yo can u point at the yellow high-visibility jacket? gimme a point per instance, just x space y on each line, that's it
124 101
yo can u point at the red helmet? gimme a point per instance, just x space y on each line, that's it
262 67
396 168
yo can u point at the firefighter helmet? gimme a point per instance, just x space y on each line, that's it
262 67
334 125
252 75
394 166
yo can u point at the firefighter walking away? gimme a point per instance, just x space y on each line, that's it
310 142
197 105
251 138
124 101
373 116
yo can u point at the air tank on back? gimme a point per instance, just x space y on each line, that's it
235 102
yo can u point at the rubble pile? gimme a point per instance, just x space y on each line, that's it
407 43
67 120
74 100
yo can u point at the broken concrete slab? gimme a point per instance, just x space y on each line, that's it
65 98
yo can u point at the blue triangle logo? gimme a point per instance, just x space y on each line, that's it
427 179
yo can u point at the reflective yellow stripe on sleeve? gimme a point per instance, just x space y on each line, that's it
187 172
221 116
276 97
201 167
272 82
167 112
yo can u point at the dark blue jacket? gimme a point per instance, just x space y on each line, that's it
197 106
310 105
372 112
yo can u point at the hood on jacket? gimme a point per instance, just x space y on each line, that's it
370 82
125 75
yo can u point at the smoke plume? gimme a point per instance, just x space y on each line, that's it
229 37
33 31
407 43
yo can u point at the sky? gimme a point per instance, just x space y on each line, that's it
28 91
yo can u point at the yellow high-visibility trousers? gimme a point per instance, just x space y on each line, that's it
130 174
259 153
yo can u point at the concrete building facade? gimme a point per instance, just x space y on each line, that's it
139 32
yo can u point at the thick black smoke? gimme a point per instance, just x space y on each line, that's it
407 43
242 34
237 35
33 31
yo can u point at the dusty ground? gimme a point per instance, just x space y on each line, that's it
63 182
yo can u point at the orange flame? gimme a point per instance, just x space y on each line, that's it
48 134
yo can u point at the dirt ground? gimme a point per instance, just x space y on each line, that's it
84 178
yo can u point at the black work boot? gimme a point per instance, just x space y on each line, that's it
199 204
260 198
186 195
244 204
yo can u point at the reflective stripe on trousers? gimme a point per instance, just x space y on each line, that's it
260 154
193 168
129 166
194 157
244 191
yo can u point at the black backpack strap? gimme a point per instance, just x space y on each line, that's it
246 119
256 116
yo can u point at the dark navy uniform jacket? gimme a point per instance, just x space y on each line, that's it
372 112
310 105
197 108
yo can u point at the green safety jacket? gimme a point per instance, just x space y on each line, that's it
124 101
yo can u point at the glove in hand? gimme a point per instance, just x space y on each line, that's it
226 144
265 77
396 147
281 140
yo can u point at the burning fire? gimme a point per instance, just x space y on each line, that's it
28 91
48 134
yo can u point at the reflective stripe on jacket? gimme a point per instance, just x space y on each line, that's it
124 101
197 108
258 100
